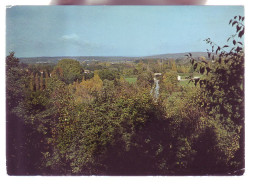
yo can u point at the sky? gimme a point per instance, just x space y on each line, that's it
36 31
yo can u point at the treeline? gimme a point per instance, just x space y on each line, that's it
64 121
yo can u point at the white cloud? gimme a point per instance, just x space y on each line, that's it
74 39
71 37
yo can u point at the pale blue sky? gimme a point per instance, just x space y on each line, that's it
115 30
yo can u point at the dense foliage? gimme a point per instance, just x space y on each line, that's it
223 89
101 118
69 70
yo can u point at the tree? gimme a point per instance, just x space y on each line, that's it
11 61
140 67
22 138
145 79
174 68
71 70
41 82
85 90
37 82
170 82
46 78
222 85
15 81
32 82
108 74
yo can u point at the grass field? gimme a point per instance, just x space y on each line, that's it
131 79
186 83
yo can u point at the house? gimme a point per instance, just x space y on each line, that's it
86 71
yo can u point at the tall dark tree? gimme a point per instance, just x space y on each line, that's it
222 84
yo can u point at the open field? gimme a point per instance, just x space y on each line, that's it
131 79
186 83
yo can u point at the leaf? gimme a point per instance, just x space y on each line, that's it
238 49
234 23
202 69
192 61
226 60
241 33
240 43
239 17
208 69
217 49
238 28
230 21
205 62
228 39
219 60
200 82
225 46
234 42
243 18
195 66
235 17
209 54
196 81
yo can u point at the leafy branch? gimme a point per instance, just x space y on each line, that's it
222 75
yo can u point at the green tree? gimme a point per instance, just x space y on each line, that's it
46 75
71 70
22 138
41 82
174 68
145 79
15 81
108 74
37 82
11 61
170 82
32 82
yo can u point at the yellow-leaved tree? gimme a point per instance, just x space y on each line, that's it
85 90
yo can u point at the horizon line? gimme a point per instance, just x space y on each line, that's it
115 55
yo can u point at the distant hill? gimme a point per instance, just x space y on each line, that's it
29 60
176 56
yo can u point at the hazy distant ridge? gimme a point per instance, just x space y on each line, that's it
108 58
